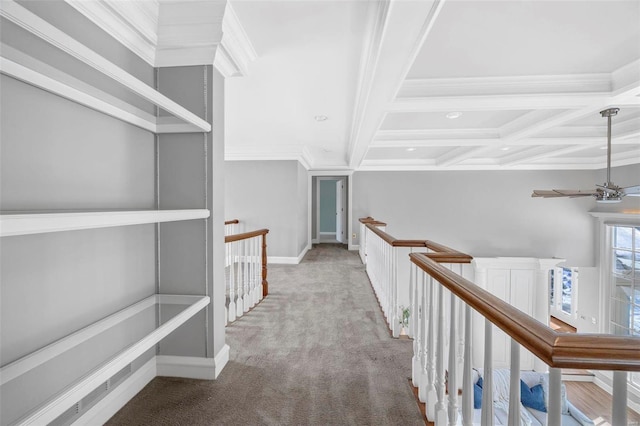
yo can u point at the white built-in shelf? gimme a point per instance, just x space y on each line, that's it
40 75
40 223
76 365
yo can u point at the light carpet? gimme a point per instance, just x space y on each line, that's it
316 351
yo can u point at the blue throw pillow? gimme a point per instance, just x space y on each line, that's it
477 394
532 397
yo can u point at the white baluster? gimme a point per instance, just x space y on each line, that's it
245 275
487 384
252 270
257 272
453 367
422 378
232 282
393 283
467 377
414 326
441 413
554 414
259 268
514 384
238 282
432 395
619 406
413 305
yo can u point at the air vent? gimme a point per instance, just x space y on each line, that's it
67 417
119 376
82 406
95 394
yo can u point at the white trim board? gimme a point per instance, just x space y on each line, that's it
282 260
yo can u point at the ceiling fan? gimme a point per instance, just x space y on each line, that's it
607 193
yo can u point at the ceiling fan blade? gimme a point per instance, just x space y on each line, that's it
563 193
633 191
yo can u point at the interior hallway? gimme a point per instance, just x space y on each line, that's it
315 351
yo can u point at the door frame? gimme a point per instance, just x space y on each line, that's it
332 175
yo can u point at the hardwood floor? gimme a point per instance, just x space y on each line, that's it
588 397
595 403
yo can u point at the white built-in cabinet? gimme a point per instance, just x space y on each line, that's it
522 282
56 380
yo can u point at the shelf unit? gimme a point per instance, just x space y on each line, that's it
172 310
45 381
40 223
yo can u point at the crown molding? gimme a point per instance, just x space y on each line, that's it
483 86
134 29
237 51
418 134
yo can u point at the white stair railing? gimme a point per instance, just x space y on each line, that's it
444 300
231 227
245 272
387 265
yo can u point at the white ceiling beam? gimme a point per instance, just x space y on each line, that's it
530 84
533 155
430 143
497 102
395 40
468 133
460 154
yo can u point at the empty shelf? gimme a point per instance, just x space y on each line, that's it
39 223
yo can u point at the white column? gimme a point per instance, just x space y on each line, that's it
422 361
232 282
514 384
393 283
487 379
619 405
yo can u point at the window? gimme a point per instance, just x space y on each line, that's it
624 309
567 290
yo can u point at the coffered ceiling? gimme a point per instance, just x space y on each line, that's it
369 85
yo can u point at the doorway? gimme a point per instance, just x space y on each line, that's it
329 207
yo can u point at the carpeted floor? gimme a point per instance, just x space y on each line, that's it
316 351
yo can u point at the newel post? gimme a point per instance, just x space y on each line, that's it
265 284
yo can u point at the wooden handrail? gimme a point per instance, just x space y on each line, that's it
245 235
251 234
558 350
231 222
456 256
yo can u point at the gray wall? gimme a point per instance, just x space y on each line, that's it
327 206
265 194
303 209
489 213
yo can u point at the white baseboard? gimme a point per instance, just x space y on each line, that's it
327 233
577 378
160 365
315 241
354 247
186 366
118 397
221 359
288 260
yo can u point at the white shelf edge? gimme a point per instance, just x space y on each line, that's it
54 407
39 357
17 14
40 223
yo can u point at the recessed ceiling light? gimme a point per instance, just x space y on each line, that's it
603 147
321 118
411 149
453 114
505 148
